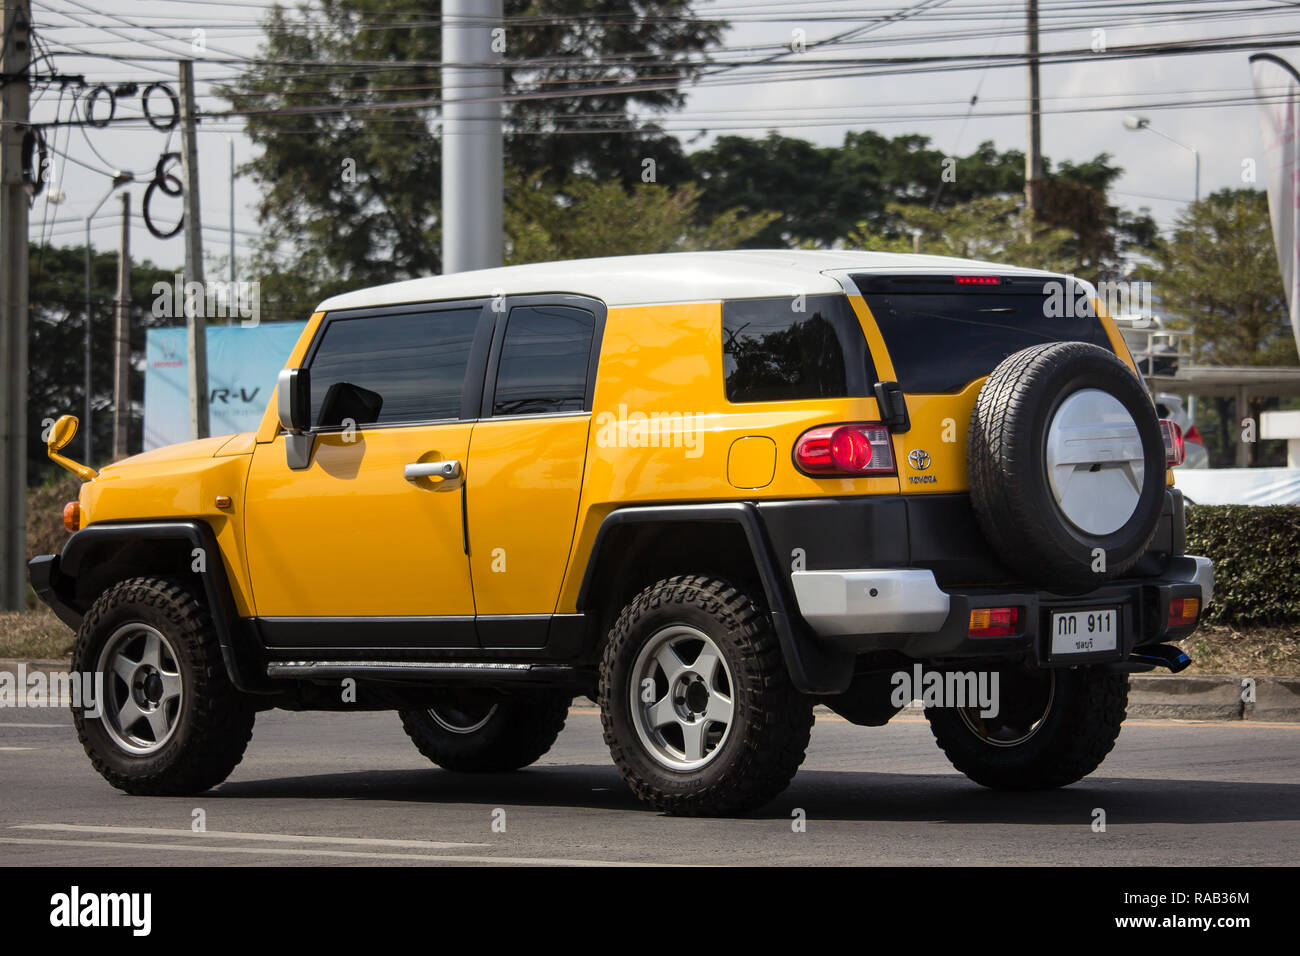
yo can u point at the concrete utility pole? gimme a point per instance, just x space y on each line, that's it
195 322
122 340
1034 152
473 176
14 95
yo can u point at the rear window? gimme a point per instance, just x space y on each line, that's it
942 337
793 348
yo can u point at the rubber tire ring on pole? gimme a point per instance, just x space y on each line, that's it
90 106
34 150
176 107
160 174
148 195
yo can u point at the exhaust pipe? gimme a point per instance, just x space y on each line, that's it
1162 655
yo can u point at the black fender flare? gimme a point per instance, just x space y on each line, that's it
55 577
814 668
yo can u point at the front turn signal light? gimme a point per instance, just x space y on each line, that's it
72 516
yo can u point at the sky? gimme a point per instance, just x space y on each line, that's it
1084 102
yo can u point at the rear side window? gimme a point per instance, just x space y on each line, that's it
773 350
543 365
941 337
389 369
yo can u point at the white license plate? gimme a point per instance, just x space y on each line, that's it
1085 632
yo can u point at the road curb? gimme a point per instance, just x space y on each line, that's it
1169 696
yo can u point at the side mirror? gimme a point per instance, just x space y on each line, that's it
64 430
293 399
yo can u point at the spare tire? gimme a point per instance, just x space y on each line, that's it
1066 464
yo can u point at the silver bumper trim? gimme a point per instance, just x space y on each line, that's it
1194 569
889 601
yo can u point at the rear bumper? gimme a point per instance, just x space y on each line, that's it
904 609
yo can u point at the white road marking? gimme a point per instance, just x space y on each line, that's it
351 854
20 724
17 748
237 835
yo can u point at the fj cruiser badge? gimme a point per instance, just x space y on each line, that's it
919 459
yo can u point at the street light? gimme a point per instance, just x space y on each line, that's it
119 179
1141 122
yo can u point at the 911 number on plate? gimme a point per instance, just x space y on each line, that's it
1085 632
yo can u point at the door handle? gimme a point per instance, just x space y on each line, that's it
431 469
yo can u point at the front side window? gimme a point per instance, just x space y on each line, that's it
788 349
390 369
543 365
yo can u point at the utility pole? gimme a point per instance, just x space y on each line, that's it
230 311
122 340
473 176
15 59
195 321
1034 152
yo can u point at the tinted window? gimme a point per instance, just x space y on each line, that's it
415 363
771 352
543 365
943 341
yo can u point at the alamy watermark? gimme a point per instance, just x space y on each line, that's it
83 691
964 689
626 429
212 300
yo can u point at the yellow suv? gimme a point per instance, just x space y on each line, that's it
708 490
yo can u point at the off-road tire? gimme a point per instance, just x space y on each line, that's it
771 721
1005 458
1088 709
517 733
215 720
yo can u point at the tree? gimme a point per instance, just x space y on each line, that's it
56 355
351 195
1218 277
603 219
990 228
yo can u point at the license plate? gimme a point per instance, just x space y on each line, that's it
1085 632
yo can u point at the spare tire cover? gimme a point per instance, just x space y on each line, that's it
1066 464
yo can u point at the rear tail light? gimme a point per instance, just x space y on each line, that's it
1183 611
845 450
1175 450
994 621
72 516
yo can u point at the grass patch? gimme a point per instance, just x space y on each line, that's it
1251 651
34 635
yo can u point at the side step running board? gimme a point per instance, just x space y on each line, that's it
470 672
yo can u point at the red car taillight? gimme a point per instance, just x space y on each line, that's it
845 450
1175 450
994 621
1183 611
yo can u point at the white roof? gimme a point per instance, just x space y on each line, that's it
668 277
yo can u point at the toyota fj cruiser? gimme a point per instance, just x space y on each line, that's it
708 490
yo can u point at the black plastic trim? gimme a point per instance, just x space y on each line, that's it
814 668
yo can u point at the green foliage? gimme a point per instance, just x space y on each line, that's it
1218 276
590 219
56 354
990 228
1256 555
352 197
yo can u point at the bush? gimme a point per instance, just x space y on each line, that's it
1256 555
45 531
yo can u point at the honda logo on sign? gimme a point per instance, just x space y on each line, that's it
919 459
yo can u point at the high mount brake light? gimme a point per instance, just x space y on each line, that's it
845 451
977 280
1175 450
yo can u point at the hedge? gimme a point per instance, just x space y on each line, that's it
1256 555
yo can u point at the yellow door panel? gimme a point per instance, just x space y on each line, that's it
350 536
524 478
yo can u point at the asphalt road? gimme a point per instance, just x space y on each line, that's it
340 789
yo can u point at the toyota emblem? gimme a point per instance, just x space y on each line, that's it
919 459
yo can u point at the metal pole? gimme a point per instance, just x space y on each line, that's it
14 62
1034 151
473 177
230 312
85 343
122 336
195 321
